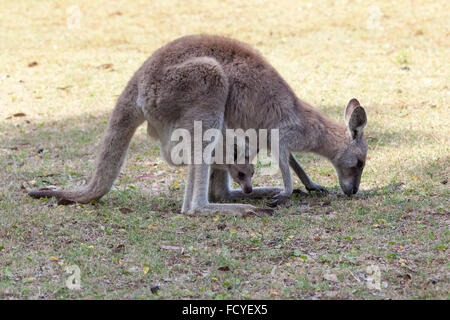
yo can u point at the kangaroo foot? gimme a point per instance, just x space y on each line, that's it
279 199
239 210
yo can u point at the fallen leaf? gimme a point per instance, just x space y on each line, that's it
33 64
119 248
116 13
145 270
331 294
146 176
221 226
272 273
331 277
274 293
19 114
225 268
169 247
64 88
53 259
105 66
125 210
133 269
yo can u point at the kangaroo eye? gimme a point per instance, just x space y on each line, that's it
241 174
360 164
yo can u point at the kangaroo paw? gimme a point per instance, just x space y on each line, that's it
299 192
317 188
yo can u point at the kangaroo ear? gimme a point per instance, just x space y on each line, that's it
355 118
352 105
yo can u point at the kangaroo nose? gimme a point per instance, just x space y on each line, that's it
355 190
248 190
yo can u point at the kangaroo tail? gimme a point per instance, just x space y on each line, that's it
122 125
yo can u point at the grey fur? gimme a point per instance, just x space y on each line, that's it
220 81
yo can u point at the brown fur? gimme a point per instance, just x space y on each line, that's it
221 81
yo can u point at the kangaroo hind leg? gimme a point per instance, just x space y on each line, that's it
199 87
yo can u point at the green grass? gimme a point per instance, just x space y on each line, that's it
134 238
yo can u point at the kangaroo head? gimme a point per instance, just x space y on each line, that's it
242 173
350 160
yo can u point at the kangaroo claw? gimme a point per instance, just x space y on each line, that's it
317 188
278 199
299 192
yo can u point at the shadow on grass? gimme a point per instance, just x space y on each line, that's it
71 138
75 138
77 134
337 193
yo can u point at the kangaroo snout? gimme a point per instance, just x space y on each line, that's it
247 189
350 191
349 186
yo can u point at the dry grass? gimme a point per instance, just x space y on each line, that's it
394 59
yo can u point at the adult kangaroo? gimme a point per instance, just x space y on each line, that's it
222 82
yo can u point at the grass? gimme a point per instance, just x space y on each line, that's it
65 81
